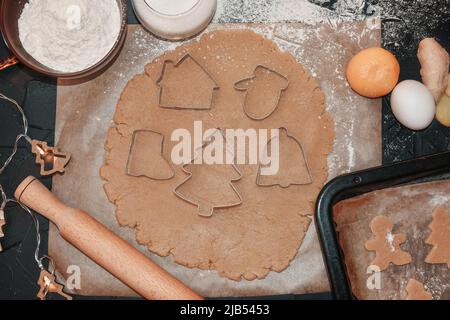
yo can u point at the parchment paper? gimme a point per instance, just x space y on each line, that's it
410 208
84 113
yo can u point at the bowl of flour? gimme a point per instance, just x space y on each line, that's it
69 39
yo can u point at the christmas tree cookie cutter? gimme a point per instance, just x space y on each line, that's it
252 102
302 177
51 159
207 198
201 98
146 156
47 282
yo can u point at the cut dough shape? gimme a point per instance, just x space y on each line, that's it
293 166
210 186
416 291
439 237
146 156
386 245
263 92
197 90
265 232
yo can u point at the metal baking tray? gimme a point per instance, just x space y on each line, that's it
428 168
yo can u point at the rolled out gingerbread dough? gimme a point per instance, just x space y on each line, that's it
263 233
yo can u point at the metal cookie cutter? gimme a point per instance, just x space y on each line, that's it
206 207
47 284
201 102
244 85
142 142
303 156
2 215
51 159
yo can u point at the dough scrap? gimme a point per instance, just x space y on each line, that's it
416 291
439 237
386 245
262 234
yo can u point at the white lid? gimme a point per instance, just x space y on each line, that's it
175 19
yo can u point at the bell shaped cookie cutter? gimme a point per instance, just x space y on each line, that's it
206 207
259 176
254 93
203 98
146 144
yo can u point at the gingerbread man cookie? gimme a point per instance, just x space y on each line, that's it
386 245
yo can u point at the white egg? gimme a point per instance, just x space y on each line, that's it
413 105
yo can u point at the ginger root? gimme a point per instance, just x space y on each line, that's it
443 111
443 108
435 61
447 92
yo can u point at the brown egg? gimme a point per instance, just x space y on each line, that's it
373 72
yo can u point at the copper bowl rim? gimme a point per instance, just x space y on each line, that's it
92 70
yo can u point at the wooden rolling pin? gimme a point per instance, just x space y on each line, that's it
103 246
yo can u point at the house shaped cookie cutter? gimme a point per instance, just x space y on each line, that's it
160 83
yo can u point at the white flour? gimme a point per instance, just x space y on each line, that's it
69 35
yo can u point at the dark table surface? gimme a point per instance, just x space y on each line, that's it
18 270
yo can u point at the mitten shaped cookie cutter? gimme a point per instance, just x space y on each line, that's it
211 81
206 207
166 173
51 159
309 181
242 85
